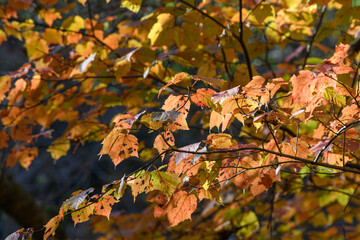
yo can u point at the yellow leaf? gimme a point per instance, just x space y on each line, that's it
59 148
37 48
158 29
132 5
82 2
73 23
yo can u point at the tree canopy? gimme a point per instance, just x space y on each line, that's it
244 113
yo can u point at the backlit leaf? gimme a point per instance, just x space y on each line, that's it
132 5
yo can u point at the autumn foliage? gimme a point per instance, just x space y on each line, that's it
270 107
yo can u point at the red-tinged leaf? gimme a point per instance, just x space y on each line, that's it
222 96
178 78
158 198
103 206
306 83
51 227
179 209
218 83
163 142
339 55
4 139
119 146
179 156
48 2
76 200
202 97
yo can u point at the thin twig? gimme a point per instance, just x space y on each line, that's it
309 46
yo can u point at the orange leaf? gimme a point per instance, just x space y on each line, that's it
180 208
51 227
103 206
306 83
339 55
119 146
202 97
5 85
178 78
162 142
178 103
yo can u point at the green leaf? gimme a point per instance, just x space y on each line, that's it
338 99
355 3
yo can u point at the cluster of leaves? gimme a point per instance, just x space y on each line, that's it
277 151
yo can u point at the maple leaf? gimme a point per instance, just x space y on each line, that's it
306 83
126 121
103 206
83 214
145 181
119 146
178 103
339 55
140 183
202 97
179 209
